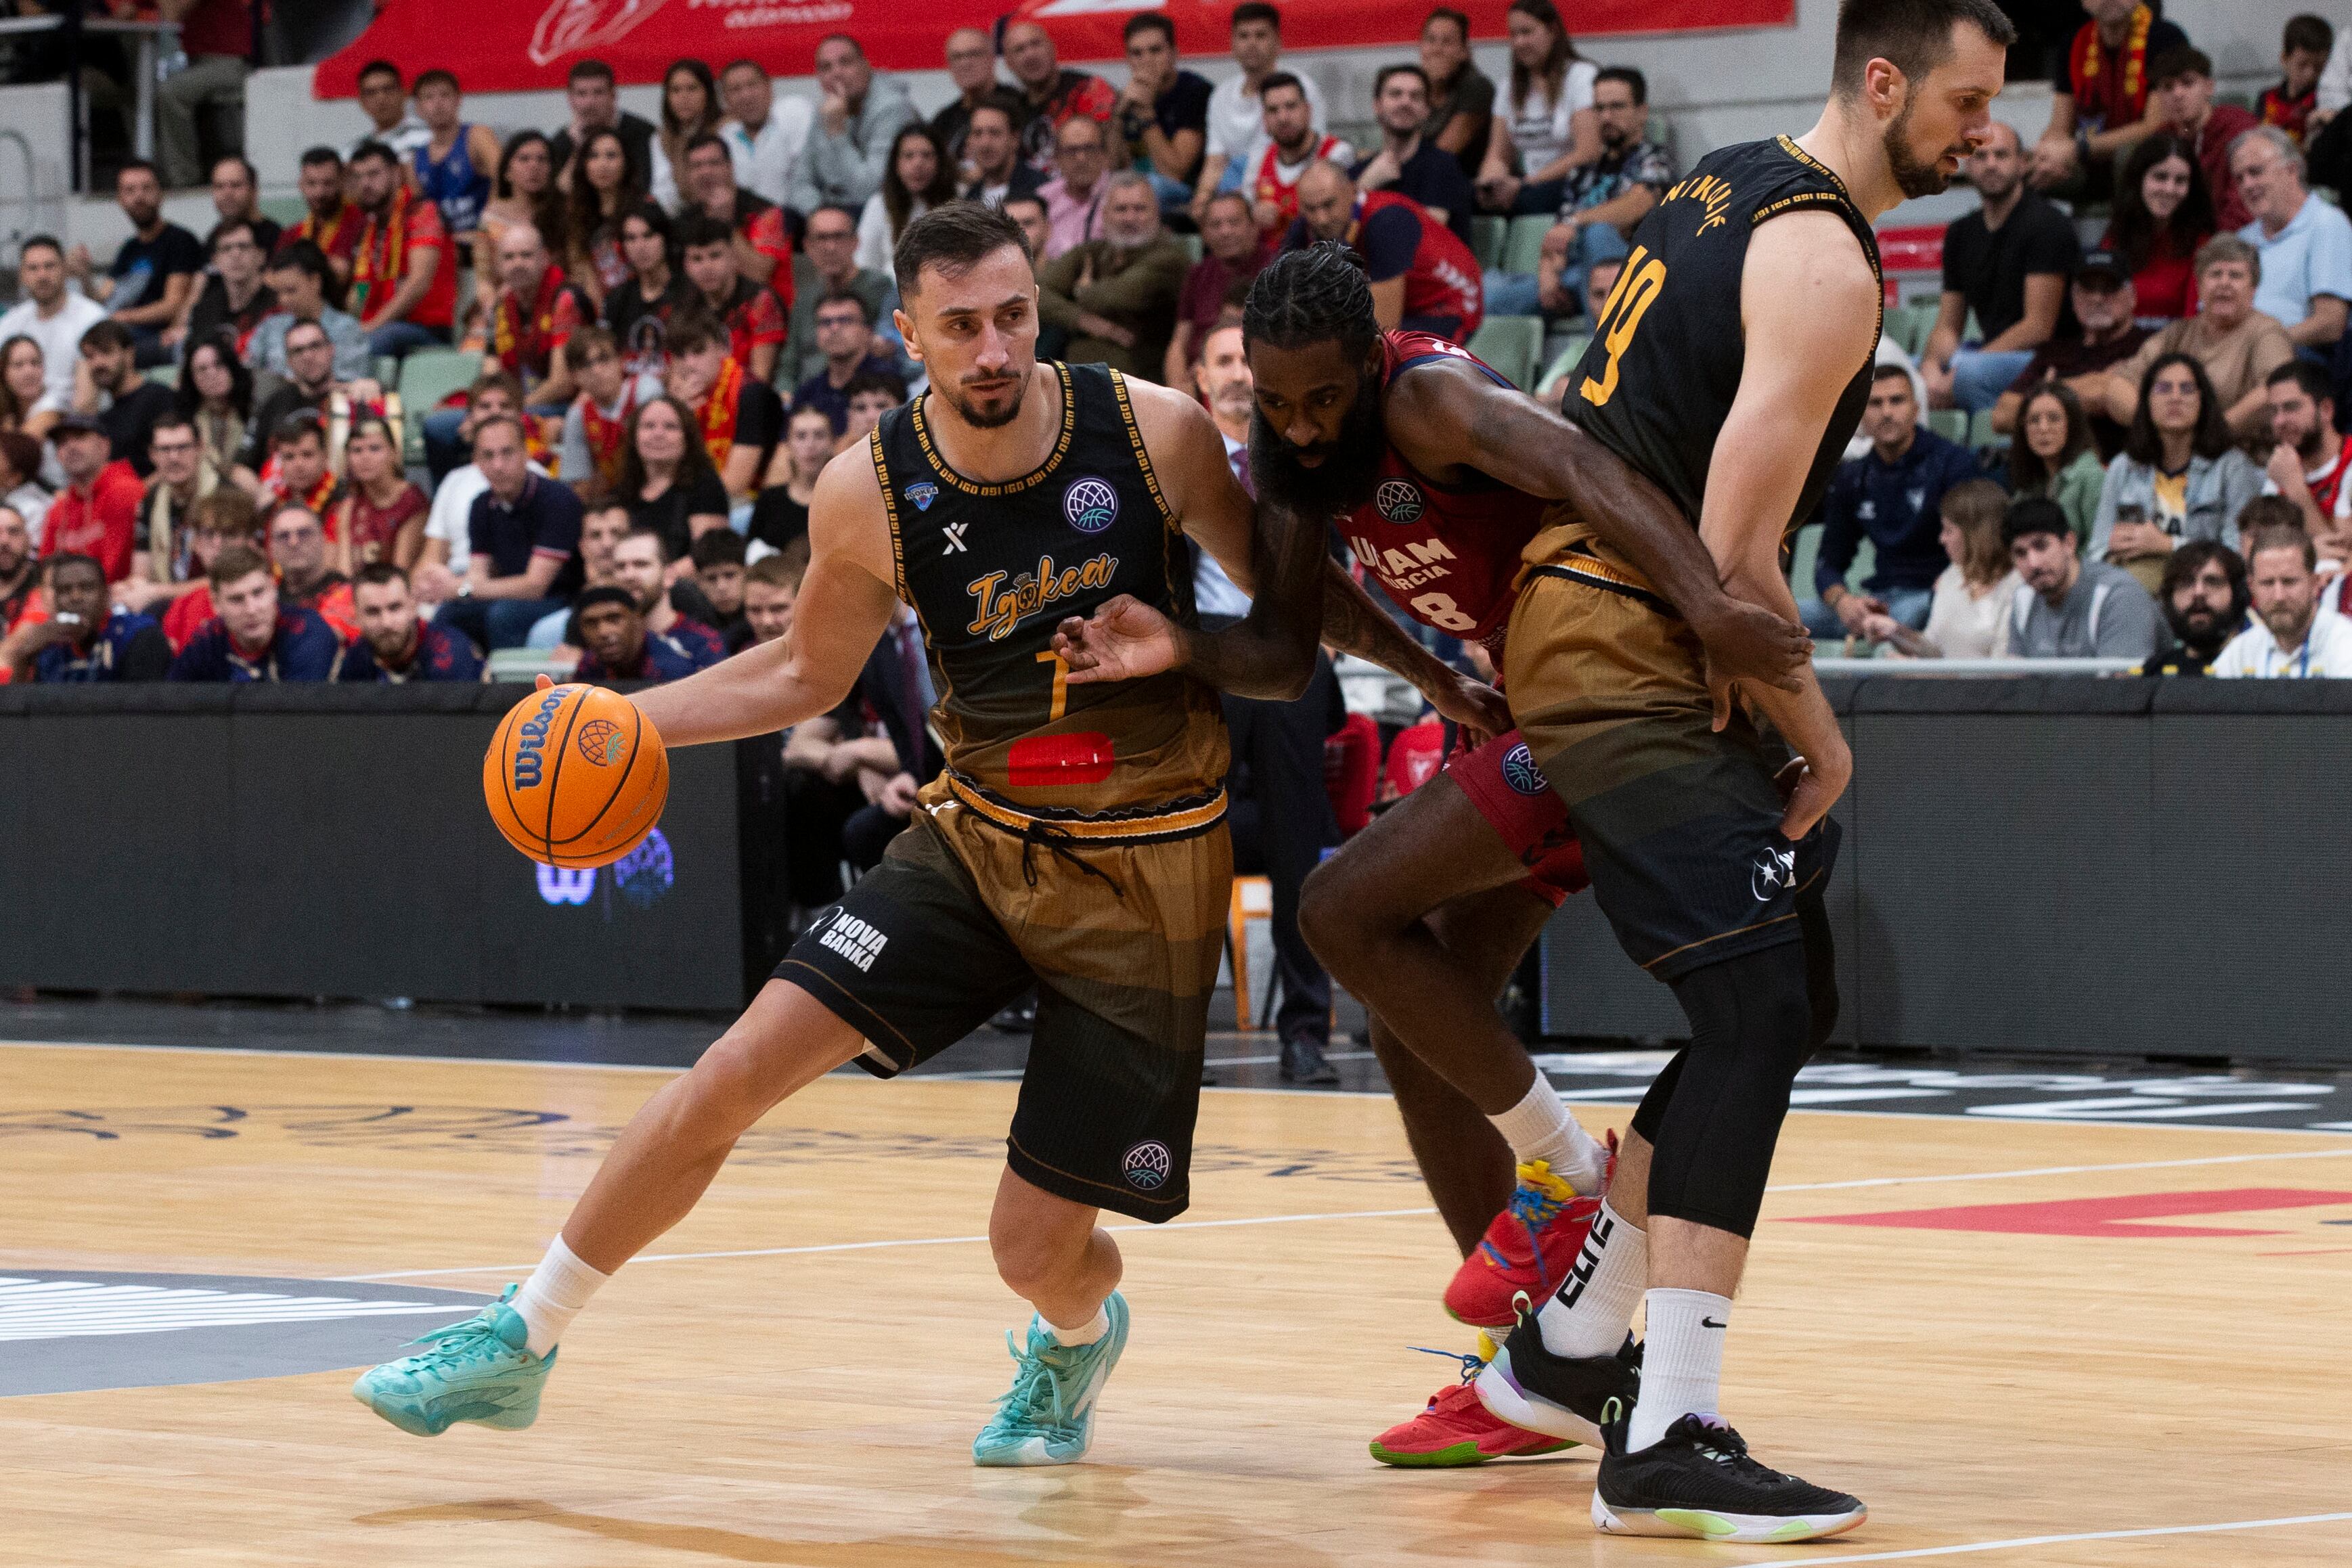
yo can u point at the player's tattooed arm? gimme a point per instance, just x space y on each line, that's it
1442 416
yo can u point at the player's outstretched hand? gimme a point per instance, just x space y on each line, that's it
1124 640
1477 707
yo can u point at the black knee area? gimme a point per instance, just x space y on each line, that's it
1651 1110
1752 1021
1820 968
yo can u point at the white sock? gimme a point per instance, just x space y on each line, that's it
1539 1128
1588 1315
553 1295
1087 1334
1682 1361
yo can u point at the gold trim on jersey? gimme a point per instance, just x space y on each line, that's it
890 512
1011 486
1143 456
944 689
1174 821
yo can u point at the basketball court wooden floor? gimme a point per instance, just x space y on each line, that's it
2022 1343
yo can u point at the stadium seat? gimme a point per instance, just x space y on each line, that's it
1948 422
1571 350
164 375
1191 243
425 378
1908 325
385 369
286 211
1511 344
1523 244
1487 236
1982 435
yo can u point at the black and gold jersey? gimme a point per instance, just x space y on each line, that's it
1658 381
992 568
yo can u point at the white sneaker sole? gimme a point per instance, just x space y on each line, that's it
1507 1401
1706 1524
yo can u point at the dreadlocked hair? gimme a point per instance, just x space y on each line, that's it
1312 295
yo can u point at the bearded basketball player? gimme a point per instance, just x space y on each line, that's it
1438 473
1075 842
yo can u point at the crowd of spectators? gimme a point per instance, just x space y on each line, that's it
674 322
2168 399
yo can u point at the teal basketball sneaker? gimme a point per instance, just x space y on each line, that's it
1048 1419
477 1371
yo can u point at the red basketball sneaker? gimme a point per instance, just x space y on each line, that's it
1529 1247
1454 1430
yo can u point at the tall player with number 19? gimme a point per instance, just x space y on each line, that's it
1075 842
1731 365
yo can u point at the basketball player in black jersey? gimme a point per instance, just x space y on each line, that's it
1730 366
1075 842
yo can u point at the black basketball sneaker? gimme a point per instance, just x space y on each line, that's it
1697 1482
1559 1396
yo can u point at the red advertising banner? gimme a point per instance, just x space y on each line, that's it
509 46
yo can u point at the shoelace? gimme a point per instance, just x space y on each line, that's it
1037 1383
1471 1365
1728 1448
457 1344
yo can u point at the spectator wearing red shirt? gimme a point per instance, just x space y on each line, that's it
2182 81
2103 105
97 513
380 517
20 606
216 522
1423 278
763 244
538 311
1291 146
1232 253
1051 94
306 573
403 270
2303 55
756 327
331 223
2163 215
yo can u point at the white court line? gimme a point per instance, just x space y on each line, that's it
911 1241
2062 1540
1351 1214
1569 1096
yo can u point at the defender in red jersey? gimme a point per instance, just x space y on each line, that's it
1439 474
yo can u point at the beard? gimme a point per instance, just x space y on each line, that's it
1914 177
984 419
2310 446
1338 483
2199 627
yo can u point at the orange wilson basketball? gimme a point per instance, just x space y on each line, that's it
575 777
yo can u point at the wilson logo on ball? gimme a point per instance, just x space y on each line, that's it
530 741
602 742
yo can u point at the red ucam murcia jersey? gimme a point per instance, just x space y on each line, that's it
1448 554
